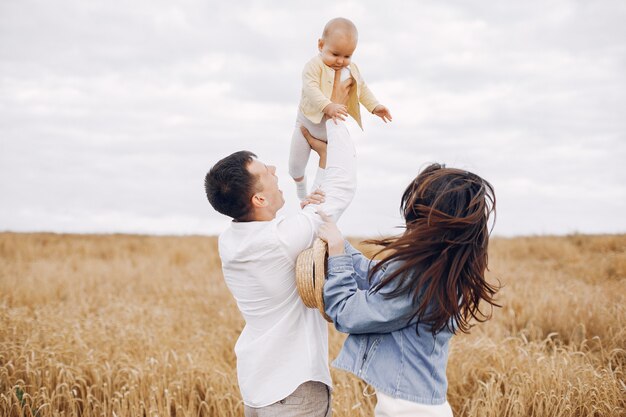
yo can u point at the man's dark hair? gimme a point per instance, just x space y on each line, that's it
229 185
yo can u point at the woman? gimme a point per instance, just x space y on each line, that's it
402 311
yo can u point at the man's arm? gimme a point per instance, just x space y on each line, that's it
338 183
339 177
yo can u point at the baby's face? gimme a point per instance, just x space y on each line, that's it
337 49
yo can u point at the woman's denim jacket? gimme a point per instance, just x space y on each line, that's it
383 347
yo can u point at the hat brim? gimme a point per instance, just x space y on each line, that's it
311 276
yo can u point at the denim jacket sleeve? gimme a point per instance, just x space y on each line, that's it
353 306
361 265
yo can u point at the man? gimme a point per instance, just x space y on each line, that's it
282 352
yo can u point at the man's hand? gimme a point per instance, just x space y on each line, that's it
330 233
382 112
338 109
319 146
341 90
316 197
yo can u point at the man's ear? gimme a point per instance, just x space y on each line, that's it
320 44
259 200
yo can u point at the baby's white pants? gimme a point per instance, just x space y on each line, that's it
300 149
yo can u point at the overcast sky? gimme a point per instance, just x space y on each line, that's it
112 112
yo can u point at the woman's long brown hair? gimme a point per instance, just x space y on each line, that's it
441 258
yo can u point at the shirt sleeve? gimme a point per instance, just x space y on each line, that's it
319 177
311 87
296 233
358 311
338 181
361 265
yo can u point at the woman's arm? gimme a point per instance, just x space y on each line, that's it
357 308
361 265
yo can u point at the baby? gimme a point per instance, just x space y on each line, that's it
336 47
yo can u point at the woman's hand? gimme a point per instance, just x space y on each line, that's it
316 197
330 233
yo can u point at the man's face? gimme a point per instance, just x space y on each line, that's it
267 184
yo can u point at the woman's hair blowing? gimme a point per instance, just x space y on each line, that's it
443 252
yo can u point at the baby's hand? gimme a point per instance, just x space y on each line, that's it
382 112
336 111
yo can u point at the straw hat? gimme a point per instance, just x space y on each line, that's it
311 275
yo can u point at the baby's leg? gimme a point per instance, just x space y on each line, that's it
318 130
300 151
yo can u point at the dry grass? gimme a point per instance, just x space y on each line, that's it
134 325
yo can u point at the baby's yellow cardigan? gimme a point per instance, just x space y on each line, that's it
317 86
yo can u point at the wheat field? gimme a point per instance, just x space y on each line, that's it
119 325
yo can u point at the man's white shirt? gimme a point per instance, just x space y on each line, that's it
283 343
